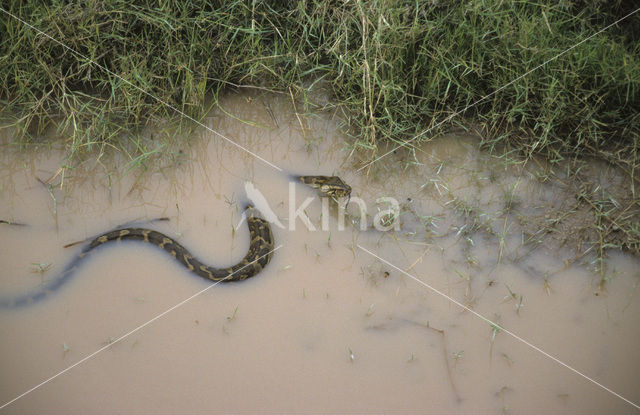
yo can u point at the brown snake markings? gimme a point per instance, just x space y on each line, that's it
260 247
259 254
327 185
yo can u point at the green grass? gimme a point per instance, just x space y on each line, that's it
395 70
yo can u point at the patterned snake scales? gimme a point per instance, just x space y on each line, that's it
260 248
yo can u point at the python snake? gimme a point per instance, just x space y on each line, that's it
258 256
327 185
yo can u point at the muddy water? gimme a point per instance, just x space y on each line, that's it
327 327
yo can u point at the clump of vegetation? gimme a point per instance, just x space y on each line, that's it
99 71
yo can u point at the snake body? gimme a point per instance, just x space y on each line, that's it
257 258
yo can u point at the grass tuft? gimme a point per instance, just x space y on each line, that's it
395 70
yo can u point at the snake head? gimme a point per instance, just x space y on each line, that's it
327 185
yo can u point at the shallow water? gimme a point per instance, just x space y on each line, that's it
326 327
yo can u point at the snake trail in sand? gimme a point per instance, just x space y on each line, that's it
260 251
